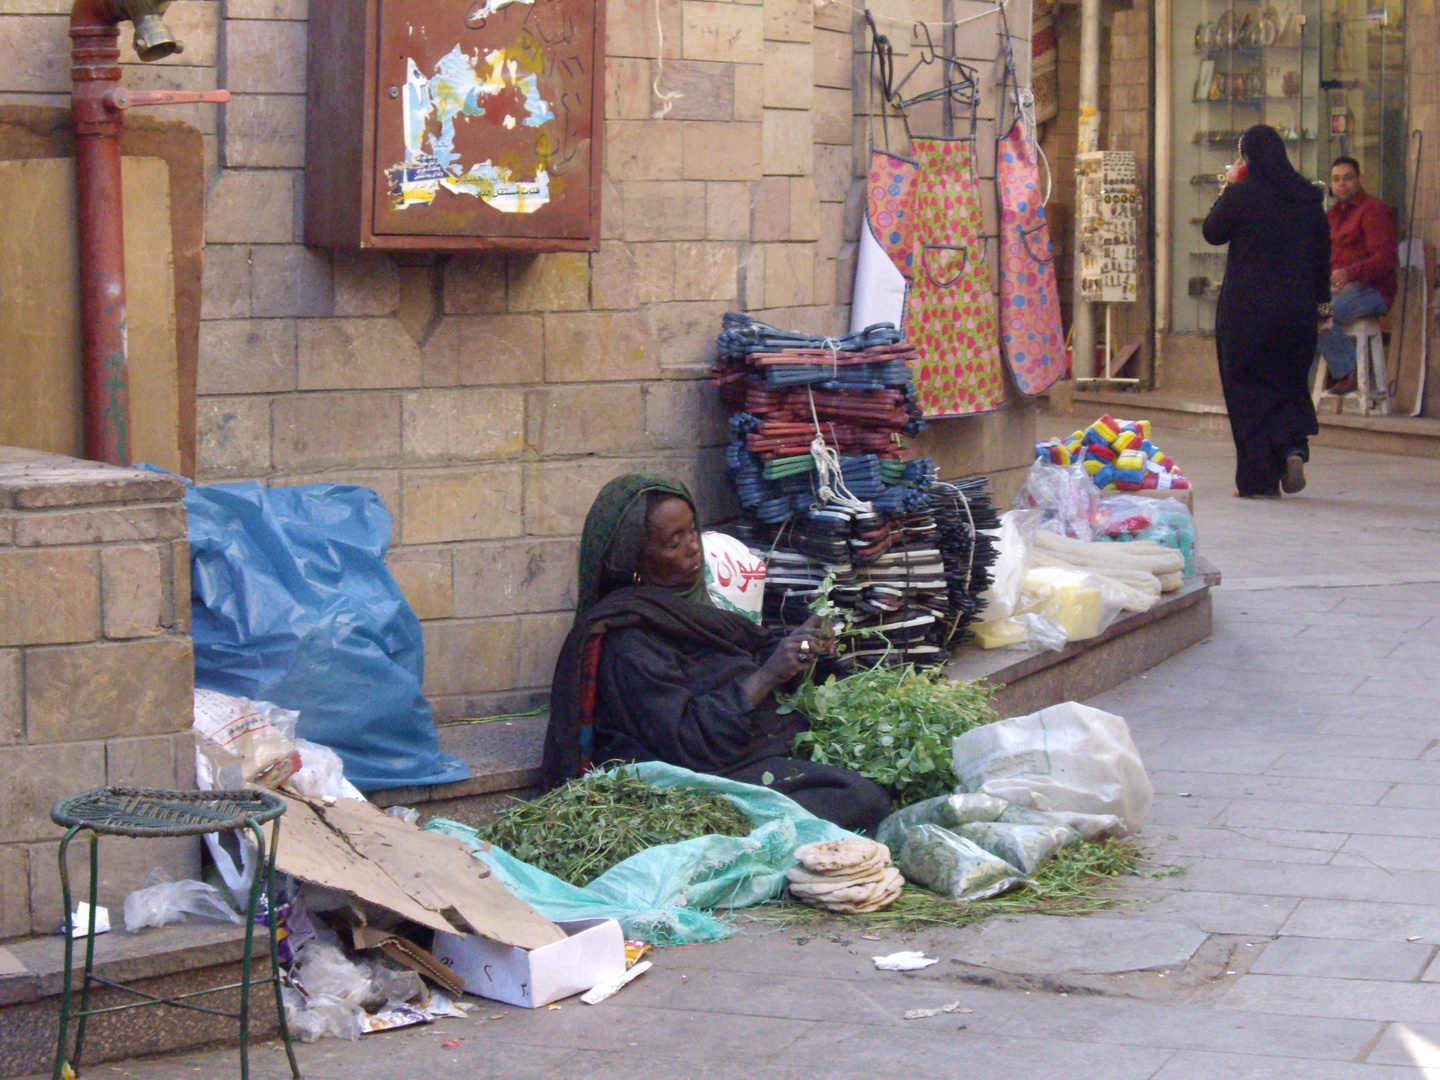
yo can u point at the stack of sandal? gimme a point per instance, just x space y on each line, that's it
903 554
851 876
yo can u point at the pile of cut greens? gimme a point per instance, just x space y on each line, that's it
579 831
893 724
1072 883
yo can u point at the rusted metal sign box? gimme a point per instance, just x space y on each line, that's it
448 125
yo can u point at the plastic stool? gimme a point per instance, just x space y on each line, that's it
144 812
1369 363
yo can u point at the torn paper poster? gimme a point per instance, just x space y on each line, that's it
501 88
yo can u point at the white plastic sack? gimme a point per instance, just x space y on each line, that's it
1012 559
1071 760
734 575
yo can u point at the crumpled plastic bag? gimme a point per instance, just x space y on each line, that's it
162 902
310 1019
239 741
1064 495
947 811
1070 759
946 863
335 993
243 740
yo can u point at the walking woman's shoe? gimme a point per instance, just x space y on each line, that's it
1294 479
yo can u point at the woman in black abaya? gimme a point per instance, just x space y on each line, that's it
1275 294
653 671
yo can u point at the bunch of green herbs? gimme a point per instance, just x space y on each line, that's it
892 723
579 831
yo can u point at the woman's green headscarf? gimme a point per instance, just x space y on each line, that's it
614 530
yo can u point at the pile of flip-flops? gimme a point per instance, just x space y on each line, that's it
902 555
851 876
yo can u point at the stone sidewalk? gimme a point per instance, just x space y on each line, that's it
1297 772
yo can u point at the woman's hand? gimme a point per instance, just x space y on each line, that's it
796 652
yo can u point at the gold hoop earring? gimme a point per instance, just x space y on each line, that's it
635 577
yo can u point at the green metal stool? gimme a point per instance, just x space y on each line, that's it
145 812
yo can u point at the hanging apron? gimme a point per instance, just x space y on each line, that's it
886 250
885 254
950 317
1030 326
889 191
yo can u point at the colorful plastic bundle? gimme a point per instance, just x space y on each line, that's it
1118 456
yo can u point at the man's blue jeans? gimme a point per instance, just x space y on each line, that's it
1354 301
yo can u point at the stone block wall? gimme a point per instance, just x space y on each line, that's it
487 397
96 669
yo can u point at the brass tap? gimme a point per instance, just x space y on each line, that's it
153 39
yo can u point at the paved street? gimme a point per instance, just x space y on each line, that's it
1297 772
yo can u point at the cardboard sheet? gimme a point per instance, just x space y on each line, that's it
431 879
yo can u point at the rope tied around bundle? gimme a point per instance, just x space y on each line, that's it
829 477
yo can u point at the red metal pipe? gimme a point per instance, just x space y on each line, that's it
95 69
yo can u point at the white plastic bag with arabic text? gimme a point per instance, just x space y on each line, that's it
734 575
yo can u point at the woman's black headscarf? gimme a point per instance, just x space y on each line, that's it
1267 161
614 530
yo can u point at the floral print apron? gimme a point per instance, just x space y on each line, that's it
1030 327
950 316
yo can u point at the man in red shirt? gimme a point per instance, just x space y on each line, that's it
1363 255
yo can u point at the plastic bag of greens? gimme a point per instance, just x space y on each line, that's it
947 811
1089 826
948 864
1028 847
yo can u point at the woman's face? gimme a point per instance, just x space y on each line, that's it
670 553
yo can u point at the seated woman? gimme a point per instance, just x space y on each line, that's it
663 675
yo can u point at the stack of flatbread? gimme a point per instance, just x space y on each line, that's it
850 876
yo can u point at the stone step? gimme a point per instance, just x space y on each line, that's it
160 961
1411 436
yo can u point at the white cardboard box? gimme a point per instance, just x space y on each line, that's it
592 952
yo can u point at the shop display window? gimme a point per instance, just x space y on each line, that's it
1362 91
1239 64
1327 74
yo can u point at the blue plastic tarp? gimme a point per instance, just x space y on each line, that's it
293 604
666 894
